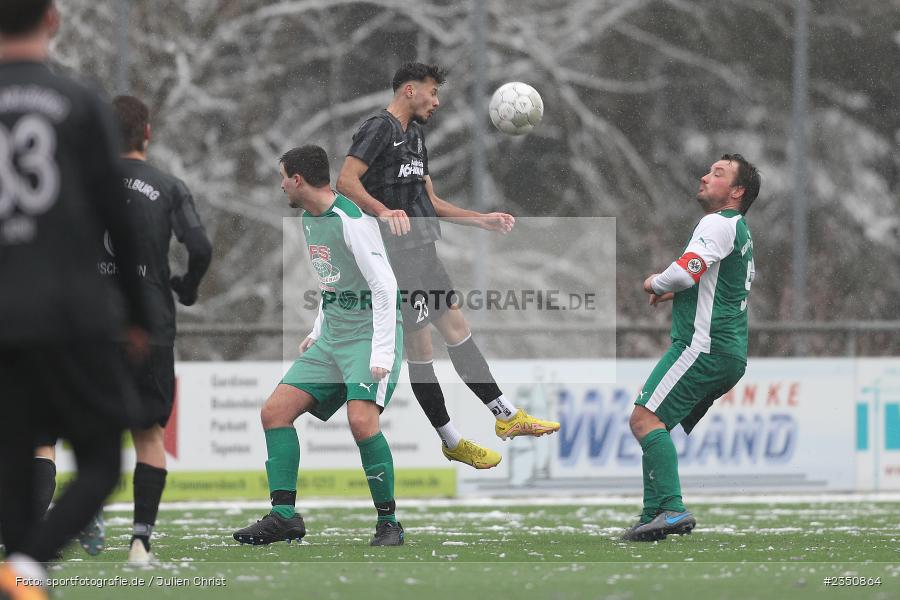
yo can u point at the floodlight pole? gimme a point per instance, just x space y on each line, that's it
800 250
479 110
122 48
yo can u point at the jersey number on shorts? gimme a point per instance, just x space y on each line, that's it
422 307
29 175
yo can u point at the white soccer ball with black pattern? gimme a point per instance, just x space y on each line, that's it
516 108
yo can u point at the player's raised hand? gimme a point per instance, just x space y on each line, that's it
378 373
397 220
306 344
648 284
497 221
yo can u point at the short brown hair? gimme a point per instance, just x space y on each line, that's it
747 177
19 17
310 162
133 116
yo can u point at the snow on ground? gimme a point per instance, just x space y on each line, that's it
306 504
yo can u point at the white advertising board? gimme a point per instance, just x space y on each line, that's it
878 423
789 425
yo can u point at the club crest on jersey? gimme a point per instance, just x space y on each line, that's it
319 251
326 272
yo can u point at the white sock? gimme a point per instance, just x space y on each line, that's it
502 408
26 567
449 434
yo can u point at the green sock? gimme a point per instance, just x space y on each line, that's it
651 497
283 447
378 464
661 460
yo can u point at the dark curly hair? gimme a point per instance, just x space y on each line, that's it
416 71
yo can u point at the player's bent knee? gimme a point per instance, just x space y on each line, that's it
46 452
643 421
150 435
149 445
283 407
363 417
275 415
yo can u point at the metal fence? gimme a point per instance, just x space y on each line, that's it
263 341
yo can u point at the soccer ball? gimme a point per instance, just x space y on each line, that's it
516 108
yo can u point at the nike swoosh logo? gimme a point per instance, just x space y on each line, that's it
671 521
398 143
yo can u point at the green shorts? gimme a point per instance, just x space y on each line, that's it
686 382
335 372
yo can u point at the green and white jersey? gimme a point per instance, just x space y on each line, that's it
358 288
711 316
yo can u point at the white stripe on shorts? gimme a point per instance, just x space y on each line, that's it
672 376
381 390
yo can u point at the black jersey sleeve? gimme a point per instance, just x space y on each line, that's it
104 178
190 232
372 138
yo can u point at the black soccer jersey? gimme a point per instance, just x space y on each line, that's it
398 164
60 189
159 204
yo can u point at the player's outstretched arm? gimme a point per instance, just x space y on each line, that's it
494 221
349 183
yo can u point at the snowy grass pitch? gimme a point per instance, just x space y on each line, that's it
767 548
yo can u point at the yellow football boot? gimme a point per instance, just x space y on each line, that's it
522 423
15 586
472 454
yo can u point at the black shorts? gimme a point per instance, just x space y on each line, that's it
155 381
77 390
426 291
